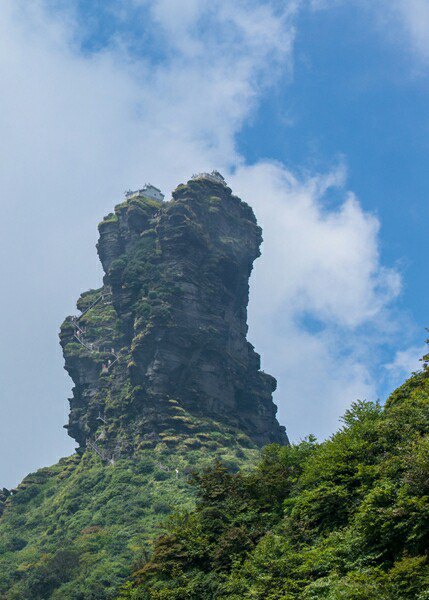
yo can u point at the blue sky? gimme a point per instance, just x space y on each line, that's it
359 97
317 113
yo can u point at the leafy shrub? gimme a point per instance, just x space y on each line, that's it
16 543
145 466
160 475
161 507
347 519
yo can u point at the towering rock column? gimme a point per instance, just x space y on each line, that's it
160 351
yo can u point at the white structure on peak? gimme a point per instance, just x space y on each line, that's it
214 176
149 191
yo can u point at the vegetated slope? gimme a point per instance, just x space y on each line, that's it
165 341
74 531
344 519
164 382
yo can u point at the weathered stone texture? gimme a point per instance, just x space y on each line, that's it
177 322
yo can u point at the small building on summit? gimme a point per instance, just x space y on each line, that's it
148 191
214 176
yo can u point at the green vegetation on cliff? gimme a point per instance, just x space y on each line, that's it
160 348
344 519
165 382
74 531
164 498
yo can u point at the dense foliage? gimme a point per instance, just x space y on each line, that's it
170 409
344 519
74 531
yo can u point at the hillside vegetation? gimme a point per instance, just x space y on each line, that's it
344 519
74 531
165 382
183 485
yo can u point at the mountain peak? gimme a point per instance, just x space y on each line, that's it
159 353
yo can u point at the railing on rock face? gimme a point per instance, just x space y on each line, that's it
97 449
91 346
107 456
104 294
100 418
100 452
79 336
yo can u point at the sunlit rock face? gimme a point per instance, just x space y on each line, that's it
159 353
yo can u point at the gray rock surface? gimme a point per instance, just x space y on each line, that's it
163 352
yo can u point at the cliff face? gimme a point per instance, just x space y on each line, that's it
164 384
159 353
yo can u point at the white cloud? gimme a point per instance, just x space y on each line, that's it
319 261
413 17
76 129
330 255
405 363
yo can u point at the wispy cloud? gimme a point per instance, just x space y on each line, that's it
79 123
405 362
412 17
319 309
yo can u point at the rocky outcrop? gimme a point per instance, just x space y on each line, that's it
159 353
